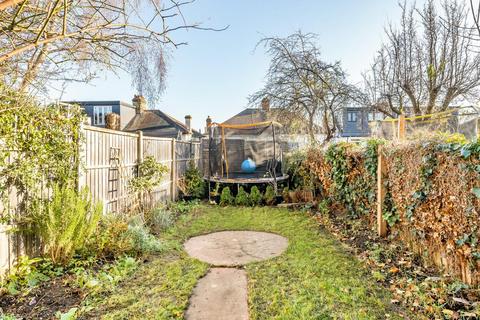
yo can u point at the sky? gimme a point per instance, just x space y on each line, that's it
214 74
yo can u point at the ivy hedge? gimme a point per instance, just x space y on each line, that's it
432 201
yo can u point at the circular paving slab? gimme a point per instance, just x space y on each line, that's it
235 248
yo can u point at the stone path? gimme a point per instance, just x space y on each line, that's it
222 293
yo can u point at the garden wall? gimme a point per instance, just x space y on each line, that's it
432 201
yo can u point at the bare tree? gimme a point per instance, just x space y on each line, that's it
475 9
426 63
301 83
72 40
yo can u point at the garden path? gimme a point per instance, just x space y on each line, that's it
222 293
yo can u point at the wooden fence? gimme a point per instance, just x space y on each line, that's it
109 160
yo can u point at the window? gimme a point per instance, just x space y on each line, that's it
371 116
352 117
99 113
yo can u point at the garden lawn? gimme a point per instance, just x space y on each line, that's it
314 279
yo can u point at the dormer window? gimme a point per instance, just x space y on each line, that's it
351 116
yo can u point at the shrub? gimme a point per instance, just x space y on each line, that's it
226 197
193 183
150 174
183 207
255 196
109 239
242 198
67 223
269 196
161 219
142 241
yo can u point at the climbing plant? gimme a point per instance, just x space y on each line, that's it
38 148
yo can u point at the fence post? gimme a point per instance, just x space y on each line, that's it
82 163
140 147
478 128
173 173
381 192
401 127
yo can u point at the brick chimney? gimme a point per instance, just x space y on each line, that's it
208 123
112 121
188 122
139 103
266 104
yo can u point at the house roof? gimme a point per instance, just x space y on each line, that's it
252 115
156 122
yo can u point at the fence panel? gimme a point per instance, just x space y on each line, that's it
108 160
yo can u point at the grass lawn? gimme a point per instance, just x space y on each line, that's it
314 279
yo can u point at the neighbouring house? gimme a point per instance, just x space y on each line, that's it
156 123
355 121
292 135
97 111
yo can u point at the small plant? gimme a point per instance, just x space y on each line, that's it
183 207
255 196
110 240
242 198
269 196
215 191
150 175
143 242
161 219
226 197
324 207
67 223
25 275
192 183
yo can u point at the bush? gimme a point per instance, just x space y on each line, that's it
67 223
183 207
255 196
142 240
150 175
226 197
269 196
192 183
110 240
161 219
242 198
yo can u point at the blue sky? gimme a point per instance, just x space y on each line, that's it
214 74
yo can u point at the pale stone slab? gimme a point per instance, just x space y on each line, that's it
220 295
236 248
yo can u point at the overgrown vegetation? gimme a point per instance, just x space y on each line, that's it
47 138
67 224
422 181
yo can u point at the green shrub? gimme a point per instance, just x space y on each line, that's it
67 223
255 196
192 183
109 240
24 276
183 207
269 196
143 242
242 198
161 219
150 175
226 197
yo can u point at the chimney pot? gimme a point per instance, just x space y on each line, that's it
266 104
188 122
139 103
